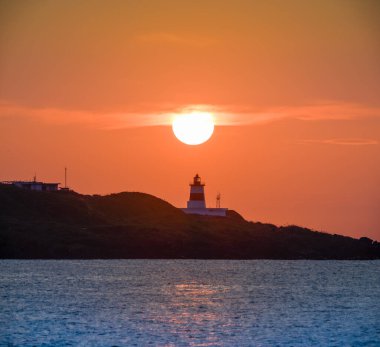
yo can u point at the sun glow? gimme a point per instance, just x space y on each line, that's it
193 128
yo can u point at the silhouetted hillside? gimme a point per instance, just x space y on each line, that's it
136 225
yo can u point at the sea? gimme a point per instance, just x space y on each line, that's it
189 303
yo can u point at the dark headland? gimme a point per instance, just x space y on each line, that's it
67 225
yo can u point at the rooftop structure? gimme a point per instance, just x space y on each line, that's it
38 185
33 185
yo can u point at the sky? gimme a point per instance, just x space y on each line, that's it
294 88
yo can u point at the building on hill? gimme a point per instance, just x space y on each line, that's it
33 185
197 201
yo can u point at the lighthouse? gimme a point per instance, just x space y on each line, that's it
197 194
197 202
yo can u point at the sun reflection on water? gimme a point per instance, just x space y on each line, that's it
194 310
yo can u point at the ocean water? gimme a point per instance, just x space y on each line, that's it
189 303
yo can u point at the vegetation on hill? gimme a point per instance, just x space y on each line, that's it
65 224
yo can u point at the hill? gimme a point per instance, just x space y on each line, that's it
136 225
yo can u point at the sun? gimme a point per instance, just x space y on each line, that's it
193 128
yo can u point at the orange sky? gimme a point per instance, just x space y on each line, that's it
294 87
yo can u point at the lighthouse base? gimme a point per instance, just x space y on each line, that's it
218 212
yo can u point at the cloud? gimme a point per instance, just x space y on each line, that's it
162 114
103 120
320 111
344 141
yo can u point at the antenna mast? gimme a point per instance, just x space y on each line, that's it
65 188
218 197
65 177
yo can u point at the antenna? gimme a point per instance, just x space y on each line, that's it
35 177
65 188
65 177
218 198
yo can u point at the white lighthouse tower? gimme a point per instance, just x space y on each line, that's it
197 202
